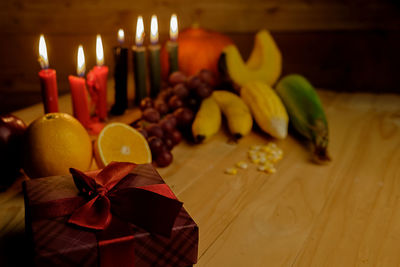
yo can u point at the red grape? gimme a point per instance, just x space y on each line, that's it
157 145
184 116
175 136
207 77
204 91
161 106
172 118
181 91
151 115
165 94
193 82
164 159
177 77
169 143
175 102
143 132
154 129
146 103
167 125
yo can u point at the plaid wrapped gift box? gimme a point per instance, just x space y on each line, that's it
56 242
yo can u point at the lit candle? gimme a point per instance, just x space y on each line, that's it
172 44
154 54
120 76
48 80
79 93
139 63
97 82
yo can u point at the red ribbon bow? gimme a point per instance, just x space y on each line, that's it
152 207
96 213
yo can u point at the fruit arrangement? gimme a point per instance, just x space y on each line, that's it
191 105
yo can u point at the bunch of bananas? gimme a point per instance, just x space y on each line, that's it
208 118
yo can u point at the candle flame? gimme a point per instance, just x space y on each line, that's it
154 30
139 31
121 36
99 51
43 61
173 30
81 62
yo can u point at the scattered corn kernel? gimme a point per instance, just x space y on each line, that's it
266 149
271 170
231 171
251 153
272 145
263 160
261 168
261 154
255 147
242 165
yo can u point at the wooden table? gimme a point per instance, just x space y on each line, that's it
346 213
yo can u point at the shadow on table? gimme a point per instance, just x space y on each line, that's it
14 250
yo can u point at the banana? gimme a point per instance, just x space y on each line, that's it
207 121
236 112
306 113
266 107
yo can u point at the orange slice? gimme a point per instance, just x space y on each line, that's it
120 142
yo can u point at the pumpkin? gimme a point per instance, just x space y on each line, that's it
198 49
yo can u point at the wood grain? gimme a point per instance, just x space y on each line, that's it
345 213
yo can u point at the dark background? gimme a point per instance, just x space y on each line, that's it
338 44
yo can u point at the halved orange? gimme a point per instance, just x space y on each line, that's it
120 142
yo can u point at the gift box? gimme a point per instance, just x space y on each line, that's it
119 219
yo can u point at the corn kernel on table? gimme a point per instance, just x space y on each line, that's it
345 213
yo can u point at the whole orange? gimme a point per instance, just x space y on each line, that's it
54 143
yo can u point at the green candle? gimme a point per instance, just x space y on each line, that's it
154 59
172 45
139 63
172 48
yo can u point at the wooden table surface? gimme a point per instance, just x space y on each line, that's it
346 213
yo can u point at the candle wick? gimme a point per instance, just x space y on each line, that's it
42 63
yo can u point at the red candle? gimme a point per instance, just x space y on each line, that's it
48 80
79 93
97 82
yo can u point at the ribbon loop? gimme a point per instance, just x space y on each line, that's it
154 209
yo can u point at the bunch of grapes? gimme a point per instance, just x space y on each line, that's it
171 113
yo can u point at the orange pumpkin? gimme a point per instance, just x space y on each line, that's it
198 49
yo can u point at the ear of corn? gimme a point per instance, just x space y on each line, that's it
305 112
266 107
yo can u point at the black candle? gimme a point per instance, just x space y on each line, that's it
120 76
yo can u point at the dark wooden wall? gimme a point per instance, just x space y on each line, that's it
338 44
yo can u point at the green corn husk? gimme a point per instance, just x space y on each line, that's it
306 113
